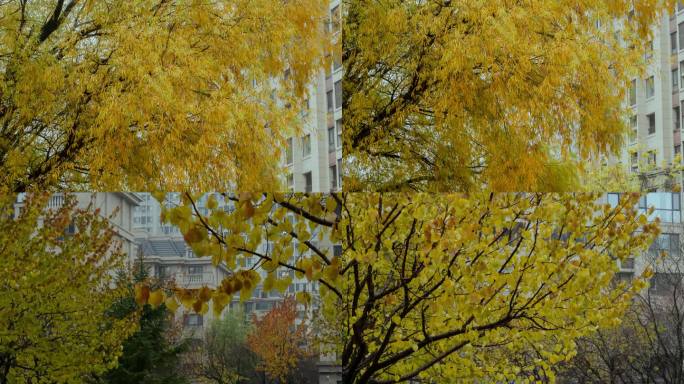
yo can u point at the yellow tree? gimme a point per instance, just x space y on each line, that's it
55 292
452 95
134 94
444 286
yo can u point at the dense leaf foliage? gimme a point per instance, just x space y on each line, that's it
278 341
133 94
443 286
55 291
453 95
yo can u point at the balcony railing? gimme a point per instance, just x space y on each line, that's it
56 201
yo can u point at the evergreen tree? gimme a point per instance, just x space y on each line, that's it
148 356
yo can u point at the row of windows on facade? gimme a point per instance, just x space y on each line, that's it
666 205
334 142
334 173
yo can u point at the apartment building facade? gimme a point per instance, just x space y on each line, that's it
117 207
656 101
313 160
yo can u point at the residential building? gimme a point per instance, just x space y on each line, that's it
117 207
313 160
656 102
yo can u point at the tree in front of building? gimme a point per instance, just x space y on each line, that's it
648 345
279 342
456 95
447 287
55 292
222 356
153 354
130 95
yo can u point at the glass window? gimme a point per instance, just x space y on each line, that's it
651 123
308 182
338 94
331 139
675 118
333 177
195 270
680 29
338 128
193 320
675 79
666 206
666 242
290 181
632 93
335 19
329 96
613 199
650 87
306 145
289 158
673 42
634 128
627 263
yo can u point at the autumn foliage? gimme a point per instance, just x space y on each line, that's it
514 96
278 341
132 95
56 288
434 285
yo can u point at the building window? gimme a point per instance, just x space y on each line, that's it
329 96
338 94
333 177
634 161
308 182
331 139
289 157
666 242
673 42
338 128
196 270
627 263
675 79
193 320
677 149
634 128
675 118
651 123
632 93
339 172
290 182
649 49
337 59
613 199
306 146
651 158
335 19
650 87
666 206
680 29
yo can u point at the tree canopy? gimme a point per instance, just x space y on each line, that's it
55 292
442 286
131 95
457 95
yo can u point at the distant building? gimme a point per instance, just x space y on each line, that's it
117 207
314 160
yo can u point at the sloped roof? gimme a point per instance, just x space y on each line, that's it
163 247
